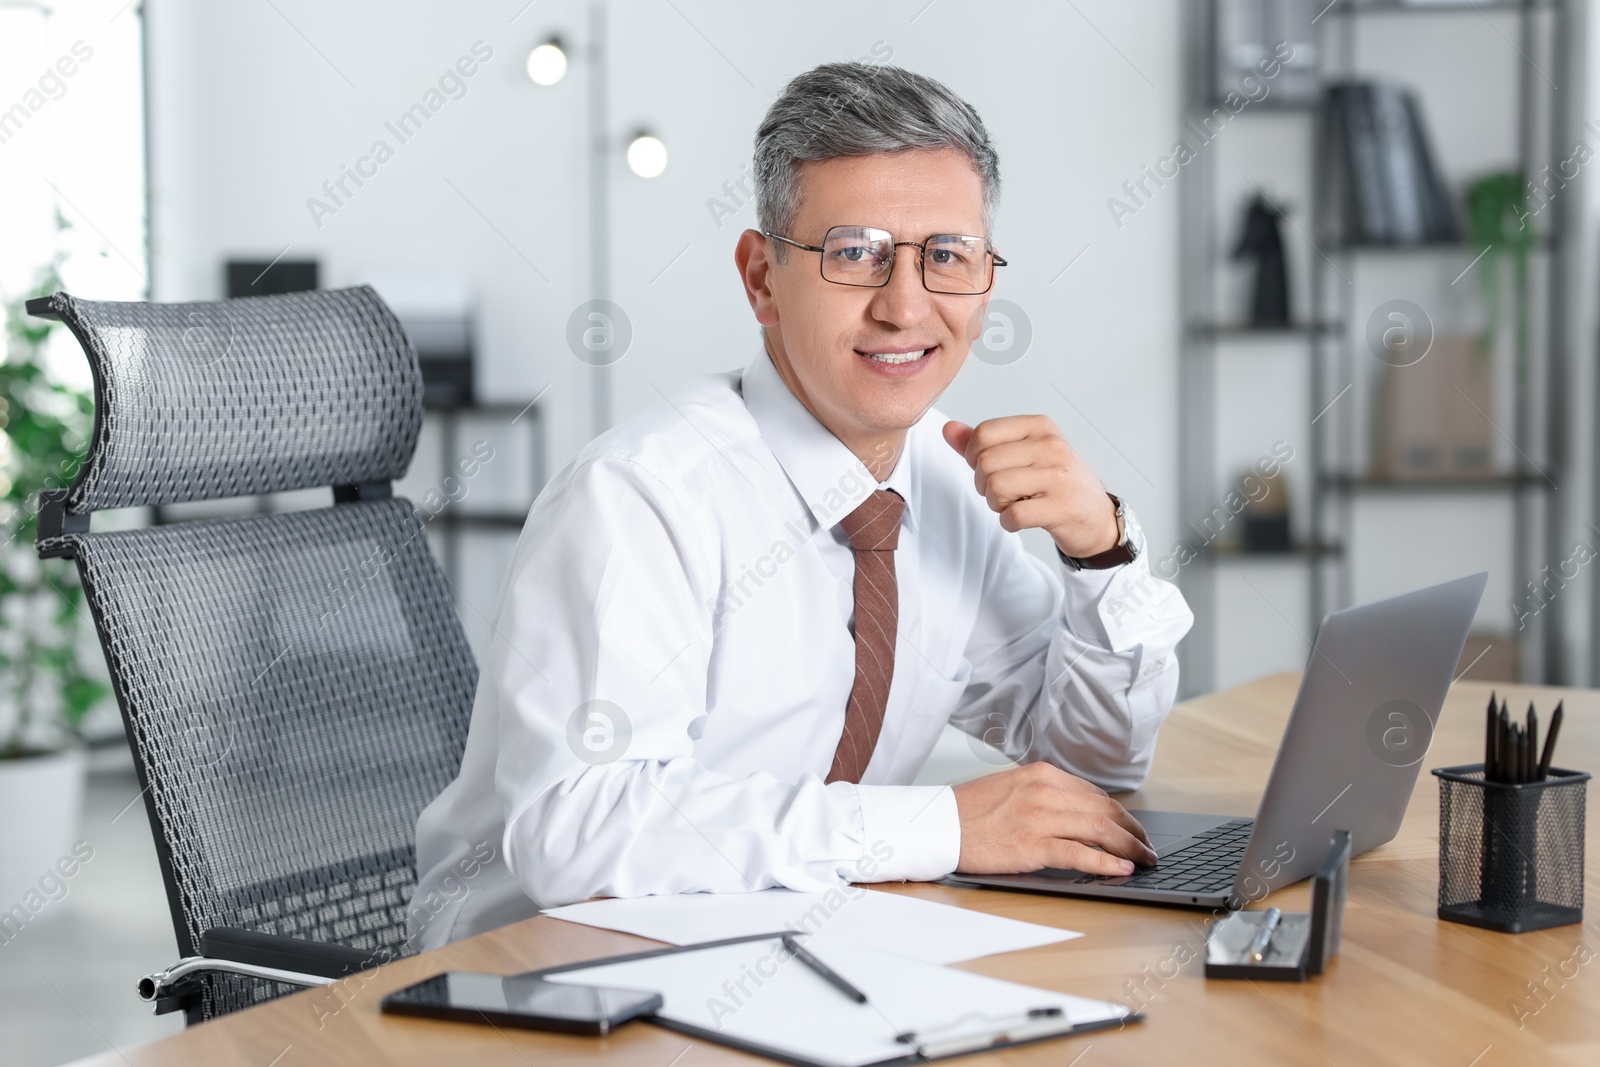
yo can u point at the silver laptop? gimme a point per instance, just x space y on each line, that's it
1360 727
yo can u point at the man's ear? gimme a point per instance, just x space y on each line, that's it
753 256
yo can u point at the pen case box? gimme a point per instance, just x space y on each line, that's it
1511 854
1287 958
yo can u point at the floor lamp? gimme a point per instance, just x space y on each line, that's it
646 156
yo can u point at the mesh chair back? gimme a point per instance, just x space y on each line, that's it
237 397
296 687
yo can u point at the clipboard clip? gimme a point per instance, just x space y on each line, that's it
1036 1023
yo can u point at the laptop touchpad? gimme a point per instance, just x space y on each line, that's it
1166 844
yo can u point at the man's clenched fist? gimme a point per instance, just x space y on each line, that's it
1032 478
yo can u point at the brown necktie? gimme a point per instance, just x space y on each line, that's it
874 531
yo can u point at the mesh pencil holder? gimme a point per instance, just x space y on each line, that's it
1510 856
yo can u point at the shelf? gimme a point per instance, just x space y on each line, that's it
1542 243
1268 106
1395 7
1244 330
502 520
1494 483
489 408
1299 550
1339 482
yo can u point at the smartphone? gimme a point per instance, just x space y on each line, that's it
521 1000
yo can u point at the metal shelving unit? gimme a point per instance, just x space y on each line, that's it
453 521
1331 338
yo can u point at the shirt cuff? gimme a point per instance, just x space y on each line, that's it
909 833
1137 604
1080 607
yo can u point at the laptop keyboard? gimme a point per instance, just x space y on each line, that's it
1207 866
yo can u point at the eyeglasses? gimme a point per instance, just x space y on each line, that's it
951 263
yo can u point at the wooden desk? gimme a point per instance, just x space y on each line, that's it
1406 988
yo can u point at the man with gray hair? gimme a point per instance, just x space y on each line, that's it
735 626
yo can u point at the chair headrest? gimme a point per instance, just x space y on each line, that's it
224 398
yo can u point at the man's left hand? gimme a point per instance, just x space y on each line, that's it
1031 477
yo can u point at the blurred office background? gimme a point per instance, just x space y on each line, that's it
1337 345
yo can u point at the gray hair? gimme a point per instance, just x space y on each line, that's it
861 109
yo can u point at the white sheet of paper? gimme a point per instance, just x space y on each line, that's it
866 918
757 993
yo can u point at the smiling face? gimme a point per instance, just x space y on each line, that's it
849 353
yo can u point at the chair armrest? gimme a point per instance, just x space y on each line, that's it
255 955
289 953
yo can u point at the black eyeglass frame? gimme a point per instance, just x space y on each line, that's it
922 258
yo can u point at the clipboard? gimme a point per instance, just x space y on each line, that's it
751 994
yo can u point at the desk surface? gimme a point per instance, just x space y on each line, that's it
1406 988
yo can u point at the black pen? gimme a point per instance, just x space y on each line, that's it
827 973
1550 742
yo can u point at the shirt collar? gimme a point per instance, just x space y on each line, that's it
830 478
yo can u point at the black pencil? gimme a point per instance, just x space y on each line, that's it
1503 745
1524 762
1488 742
1533 743
1550 742
1511 752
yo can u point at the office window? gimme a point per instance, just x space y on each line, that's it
72 153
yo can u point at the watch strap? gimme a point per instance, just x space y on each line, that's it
1115 556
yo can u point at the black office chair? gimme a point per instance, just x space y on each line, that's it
296 686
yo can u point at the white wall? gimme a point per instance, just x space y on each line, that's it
251 110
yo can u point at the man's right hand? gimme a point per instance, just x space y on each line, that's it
1028 818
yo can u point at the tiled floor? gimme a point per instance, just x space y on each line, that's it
67 980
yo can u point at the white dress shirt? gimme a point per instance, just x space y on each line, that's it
673 655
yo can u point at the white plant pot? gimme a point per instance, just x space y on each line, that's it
41 798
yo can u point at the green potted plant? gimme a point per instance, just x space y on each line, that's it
1499 229
50 671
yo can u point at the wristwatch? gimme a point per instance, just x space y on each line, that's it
1124 551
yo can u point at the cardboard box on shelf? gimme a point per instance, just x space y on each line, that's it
1266 516
1432 418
